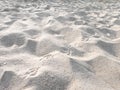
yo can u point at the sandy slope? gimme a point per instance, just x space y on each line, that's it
59 46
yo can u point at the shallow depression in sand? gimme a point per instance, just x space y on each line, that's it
13 39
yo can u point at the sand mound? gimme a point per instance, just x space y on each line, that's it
109 72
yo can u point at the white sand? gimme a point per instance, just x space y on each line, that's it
59 45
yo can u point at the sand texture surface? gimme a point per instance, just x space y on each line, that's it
59 45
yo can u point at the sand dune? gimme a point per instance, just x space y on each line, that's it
59 45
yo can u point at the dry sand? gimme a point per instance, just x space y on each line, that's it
59 45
